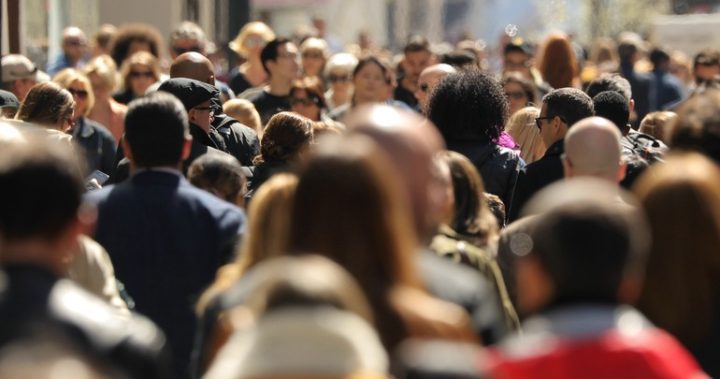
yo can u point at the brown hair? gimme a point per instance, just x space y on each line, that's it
285 134
683 271
218 174
68 76
656 124
127 34
46 104
697 127
244 111
314 89
558 64
140 58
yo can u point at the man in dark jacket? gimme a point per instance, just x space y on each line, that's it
165 237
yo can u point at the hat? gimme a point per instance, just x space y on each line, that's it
15 67
518 44
8 100
191 92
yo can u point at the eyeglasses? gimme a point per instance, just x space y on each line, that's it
424 87
515 95
338 78
79 93
183 50
312 55
306 101
75 43
138 74
538 120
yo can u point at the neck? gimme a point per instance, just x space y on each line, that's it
279 87
357 100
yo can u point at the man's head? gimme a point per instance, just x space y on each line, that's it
429 78
630 46
589 248
195 96
562 108
156 131
697 127
193 65
187 37
281 60
660 59
19 74
706 65
411 142
592 148
612 82
74 43
518 57
416 57
9 104
612 106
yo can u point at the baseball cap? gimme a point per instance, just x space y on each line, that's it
16 66
8 100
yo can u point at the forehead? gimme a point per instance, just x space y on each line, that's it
516 56
287 47
185 42
431 76
417 55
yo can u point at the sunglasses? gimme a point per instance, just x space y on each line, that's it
306 101
138 74
538 120
183 50
515 95
312 55
79 93
339 78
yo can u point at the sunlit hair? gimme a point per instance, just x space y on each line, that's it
256 27
104 67
557 63
46 104
68 76
657 124
266 237
140 58
471 215
244 111
525 133
285 135
343 62
697 127
683 273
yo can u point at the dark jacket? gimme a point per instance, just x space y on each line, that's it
241 141
166 240
261 173
37 305
537 175
97 143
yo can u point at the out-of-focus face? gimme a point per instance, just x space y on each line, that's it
313 61
515 61
370 84
253 44
287 64
302 103
426 84
517 98
75 47
202 115
706 72
184 45
414 63
141 78
80 95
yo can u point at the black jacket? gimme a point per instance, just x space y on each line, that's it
98 145
240 140
537 175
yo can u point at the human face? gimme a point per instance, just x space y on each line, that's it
202 115
706 72
370 85
414 63
75 47
22 87
516 97
253 44
184 45
426 84
305 105
80 94
516 61
141 77
340 81
313 61
549 127
287 64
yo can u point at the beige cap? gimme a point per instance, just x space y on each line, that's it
15 67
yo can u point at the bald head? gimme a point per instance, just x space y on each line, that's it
592 148
411 142
427 81
193 65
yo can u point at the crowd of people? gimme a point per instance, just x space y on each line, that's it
538 210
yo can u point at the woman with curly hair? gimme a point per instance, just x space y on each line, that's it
132 38
470 111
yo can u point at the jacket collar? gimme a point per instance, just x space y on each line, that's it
82 129
557 148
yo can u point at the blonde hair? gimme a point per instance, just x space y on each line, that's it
656 124
68 76
522 129
141 58
245 112
255 27
104 67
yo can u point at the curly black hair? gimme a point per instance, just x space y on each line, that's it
469 106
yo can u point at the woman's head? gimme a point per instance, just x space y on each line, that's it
314 53
371 79
80 87
251 39
220 175
558 64
286 138
307 98
657 124
103 75
519 90
132 38
49 105
339 71
139 72
525 133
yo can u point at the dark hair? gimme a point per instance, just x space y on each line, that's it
659 57
497 208
126 35
156 127
42 189
313 87
46 104
459 58
468 106
372 59
570 104
285 134
220 174
518 47
610 82
697 127
270 51
612 106
587 249
707 57
528 86
416 44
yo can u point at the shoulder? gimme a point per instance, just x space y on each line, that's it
221 210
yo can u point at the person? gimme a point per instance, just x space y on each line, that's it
221 175
39 228
98 144
74 51
668 89
557 63
102 73
657 125
138 73
48 105
460 59
685 187
641 84
521 127
285 144
240 140
518 56
561 109
470 110
706 65
428 80
416 57
338 72
282 64
131 38
314 54
166 237
9 104
520 92
244 111
248 44
575 283
411 143
307 99
592 148
19 74
100 43
696 127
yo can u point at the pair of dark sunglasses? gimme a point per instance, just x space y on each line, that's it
306 101
139 74
80 93
339 78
